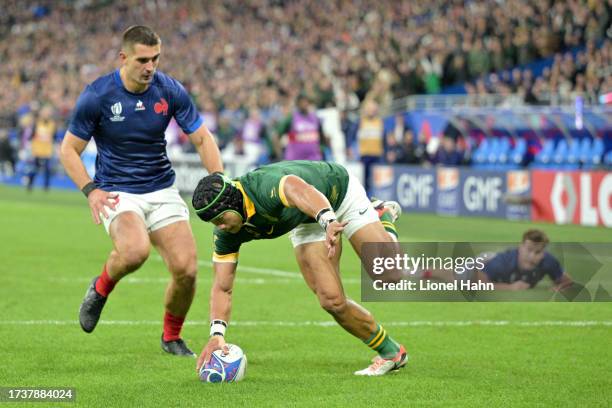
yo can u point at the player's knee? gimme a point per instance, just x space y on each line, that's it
186 280
134 258
333 303
184 270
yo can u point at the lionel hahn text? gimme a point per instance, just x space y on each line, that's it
425 285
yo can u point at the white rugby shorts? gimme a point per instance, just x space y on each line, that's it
356 208
157 209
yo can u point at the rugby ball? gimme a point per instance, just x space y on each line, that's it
225 368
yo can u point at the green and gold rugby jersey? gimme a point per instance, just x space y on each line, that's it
265 205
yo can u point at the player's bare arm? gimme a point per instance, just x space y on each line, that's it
304 196
221 290
220 306
207 148
70 156
312 202
563 282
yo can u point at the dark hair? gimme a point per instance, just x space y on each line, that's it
139 35
535 235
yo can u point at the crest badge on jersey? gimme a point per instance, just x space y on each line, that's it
139 106
116 109
161 107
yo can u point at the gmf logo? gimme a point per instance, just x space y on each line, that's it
448 178
518 182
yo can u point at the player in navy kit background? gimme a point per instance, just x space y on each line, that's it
516 268
126 113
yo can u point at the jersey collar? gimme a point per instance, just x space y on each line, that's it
119 82
249 207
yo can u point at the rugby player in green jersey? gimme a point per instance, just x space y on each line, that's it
315 202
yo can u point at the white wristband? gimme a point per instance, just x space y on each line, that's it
325 217
218 327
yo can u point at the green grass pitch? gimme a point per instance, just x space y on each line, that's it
50 250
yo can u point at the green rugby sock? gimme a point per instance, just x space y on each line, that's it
382 343
387 221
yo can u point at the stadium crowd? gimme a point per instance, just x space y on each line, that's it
588 73
236 57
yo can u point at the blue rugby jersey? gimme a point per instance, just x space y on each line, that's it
504 268
128 129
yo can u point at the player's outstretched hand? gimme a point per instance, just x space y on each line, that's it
214 343
98 201
334 229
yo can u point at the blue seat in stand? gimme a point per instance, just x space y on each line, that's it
573 155
585 150
544 156
494 146
503 153
608 159
595 155
559 158
517 156
479 157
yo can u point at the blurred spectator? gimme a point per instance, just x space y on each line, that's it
208 111
370 138
303 131
25 134
587 74
252 144
8 157
324 93
405 151
226 132
42 147
393 139
448 154
393 149
380 92
237 50
455 69
349 128
478 59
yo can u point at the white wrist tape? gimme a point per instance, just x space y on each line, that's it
218 327
325 217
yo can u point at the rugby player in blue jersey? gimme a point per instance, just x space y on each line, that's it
517 268
126 113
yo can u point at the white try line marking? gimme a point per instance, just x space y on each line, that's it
164 281
276 276
266 271
267 323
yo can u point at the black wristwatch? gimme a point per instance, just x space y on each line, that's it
88 188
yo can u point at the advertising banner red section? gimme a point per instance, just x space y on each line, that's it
572 197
